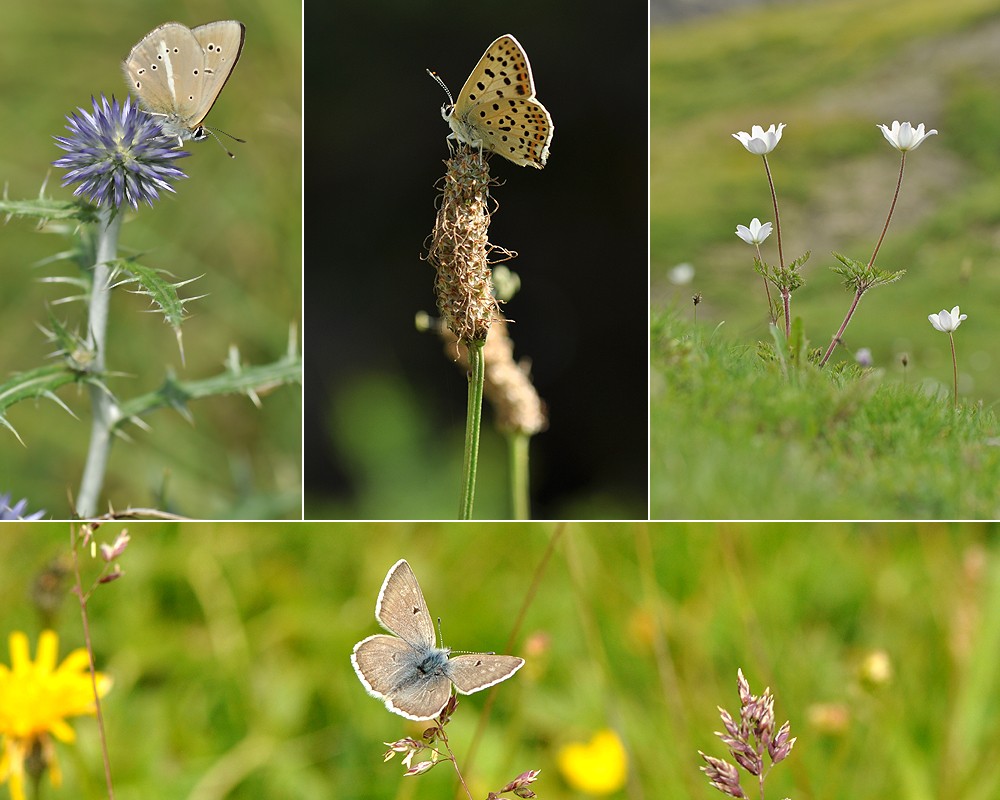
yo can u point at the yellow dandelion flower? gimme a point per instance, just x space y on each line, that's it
597 767
35 699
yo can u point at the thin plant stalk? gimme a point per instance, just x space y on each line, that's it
517 454
954 367
82 597
452 759
770 303
786 298
843 327
473 423
515 632
103 406
857 296
777 219
892 206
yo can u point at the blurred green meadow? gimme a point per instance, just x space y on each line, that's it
234 224
832 70
229 646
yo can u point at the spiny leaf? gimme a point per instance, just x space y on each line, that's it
45 209
41 382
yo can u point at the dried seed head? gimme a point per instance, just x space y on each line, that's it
507 384
460 248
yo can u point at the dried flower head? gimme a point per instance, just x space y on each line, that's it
118 155
460 248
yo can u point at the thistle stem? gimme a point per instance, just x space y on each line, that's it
473 420
104 408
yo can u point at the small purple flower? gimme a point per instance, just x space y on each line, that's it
864 357
16 511
118 155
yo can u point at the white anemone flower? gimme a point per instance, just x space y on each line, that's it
758 141
756 233
946 321
904 136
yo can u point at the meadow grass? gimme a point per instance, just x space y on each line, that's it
733 436
229 646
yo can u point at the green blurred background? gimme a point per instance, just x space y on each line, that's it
236 222
229 646
832 70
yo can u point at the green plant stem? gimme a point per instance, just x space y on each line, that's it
857 295
777 219
517 455
786 304
786 296
104 408
892 206
82 597
843 327
473 420
954 367
771 309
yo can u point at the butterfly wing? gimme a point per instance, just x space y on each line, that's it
497 108
178 73
222 43
150 66
390 670
477 671
401 608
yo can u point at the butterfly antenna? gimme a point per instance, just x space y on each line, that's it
440 83
215 135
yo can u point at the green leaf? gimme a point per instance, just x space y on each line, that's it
41 382
45 209
161 292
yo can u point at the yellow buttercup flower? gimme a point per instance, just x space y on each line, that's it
35 699
598 767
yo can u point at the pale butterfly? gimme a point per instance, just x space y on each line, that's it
497 109
407 671
178 72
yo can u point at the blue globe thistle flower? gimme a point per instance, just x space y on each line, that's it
16 511
118 155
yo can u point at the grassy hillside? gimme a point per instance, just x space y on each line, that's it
832 71
734 437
